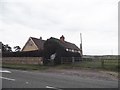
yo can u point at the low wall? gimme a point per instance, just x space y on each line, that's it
22 60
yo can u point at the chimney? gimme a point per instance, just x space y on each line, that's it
62 38
40 38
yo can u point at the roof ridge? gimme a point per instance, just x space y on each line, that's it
37 38
66 44
34 37
64 41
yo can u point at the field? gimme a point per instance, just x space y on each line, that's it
111 65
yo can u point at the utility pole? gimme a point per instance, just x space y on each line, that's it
111 51
81 44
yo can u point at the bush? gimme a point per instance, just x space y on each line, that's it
23 54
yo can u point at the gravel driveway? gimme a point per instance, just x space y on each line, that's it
108 75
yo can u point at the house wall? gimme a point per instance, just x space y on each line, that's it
22 60
30 46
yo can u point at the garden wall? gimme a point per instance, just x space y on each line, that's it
22 60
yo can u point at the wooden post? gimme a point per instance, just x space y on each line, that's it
73 59
102 63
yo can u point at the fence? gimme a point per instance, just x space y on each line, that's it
95 63
105 63
22 60
65 60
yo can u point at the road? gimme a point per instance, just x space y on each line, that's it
36 79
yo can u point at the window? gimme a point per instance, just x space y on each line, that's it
67 49
75 50
72 50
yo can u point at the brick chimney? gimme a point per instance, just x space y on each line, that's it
40 38
62 38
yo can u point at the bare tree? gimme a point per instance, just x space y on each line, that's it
6 48
17 48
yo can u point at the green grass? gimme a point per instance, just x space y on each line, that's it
25 66
109 65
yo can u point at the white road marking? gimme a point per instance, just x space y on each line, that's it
26 82
4 71
53 88
8 78
49 87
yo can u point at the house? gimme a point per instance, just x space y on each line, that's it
69 46
64 44
56 48
53 48
33 44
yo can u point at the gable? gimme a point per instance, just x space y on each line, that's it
30 46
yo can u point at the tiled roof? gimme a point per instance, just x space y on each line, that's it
66 44
70 45
39 43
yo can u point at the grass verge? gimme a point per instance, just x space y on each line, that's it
24 66
108 65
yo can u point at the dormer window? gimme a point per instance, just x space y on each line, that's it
67 49
72 50
75 50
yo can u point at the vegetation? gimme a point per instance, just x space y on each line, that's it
109 65
25 66
6 48
35 53
17 48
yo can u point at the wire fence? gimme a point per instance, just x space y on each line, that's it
104 63
65 60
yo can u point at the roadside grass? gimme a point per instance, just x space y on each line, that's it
24 66
109 65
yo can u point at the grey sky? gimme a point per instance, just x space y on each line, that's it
97 20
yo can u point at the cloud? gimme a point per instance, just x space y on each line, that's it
96 19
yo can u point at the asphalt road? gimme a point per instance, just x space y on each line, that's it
34 79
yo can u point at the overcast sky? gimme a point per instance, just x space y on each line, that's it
97 20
